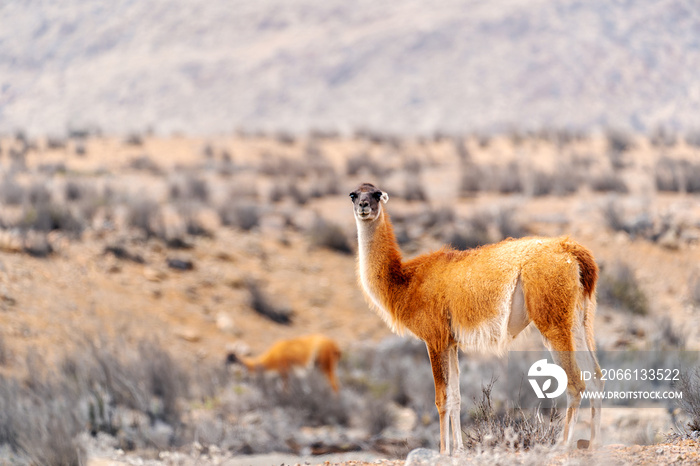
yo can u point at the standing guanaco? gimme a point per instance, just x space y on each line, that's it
481 299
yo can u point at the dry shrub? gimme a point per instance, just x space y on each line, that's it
284 138
689 384
55 143
378 416
567 179
363 163
619 141
694 288
413 188
133 139
142 213
310 396
330 236
477 234
46 217
264 305
42 416
516 430
508 180
274 165
145 163
461 150
668 175
608 182
542 183
52 168
640 225
121 252
618 287
693 138
663 138
668 336
11 192
243 215
463 239
471 180
673 175
508 225
190 188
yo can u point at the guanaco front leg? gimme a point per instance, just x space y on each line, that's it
439 361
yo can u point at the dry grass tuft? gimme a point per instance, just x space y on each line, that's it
518 430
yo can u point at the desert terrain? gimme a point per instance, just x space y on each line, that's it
131 266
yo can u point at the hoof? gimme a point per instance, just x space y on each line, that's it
583 444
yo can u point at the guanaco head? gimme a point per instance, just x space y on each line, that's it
231 358
366 201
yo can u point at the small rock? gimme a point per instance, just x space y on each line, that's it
224 322
422 457
582 444
180 264
189 334
153 275
670 240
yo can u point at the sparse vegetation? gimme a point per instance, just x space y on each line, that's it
43 415
132 212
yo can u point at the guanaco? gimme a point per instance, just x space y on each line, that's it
303 352
481 299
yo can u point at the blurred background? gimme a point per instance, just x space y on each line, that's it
173 188
406 67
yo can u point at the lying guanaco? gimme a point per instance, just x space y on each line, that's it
303 352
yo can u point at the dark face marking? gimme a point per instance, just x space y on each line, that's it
366 200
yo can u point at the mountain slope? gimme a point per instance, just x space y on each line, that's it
401 66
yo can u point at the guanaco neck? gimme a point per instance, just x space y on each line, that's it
252 364
380 266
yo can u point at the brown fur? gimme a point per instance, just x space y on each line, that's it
304 352
451 298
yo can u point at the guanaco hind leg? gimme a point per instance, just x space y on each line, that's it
454 397
587 361
573 362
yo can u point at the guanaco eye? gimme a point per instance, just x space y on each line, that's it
377 195
353 196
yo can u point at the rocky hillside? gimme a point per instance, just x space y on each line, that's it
399 66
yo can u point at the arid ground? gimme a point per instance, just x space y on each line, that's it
109 245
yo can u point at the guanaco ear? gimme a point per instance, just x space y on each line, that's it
385 197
